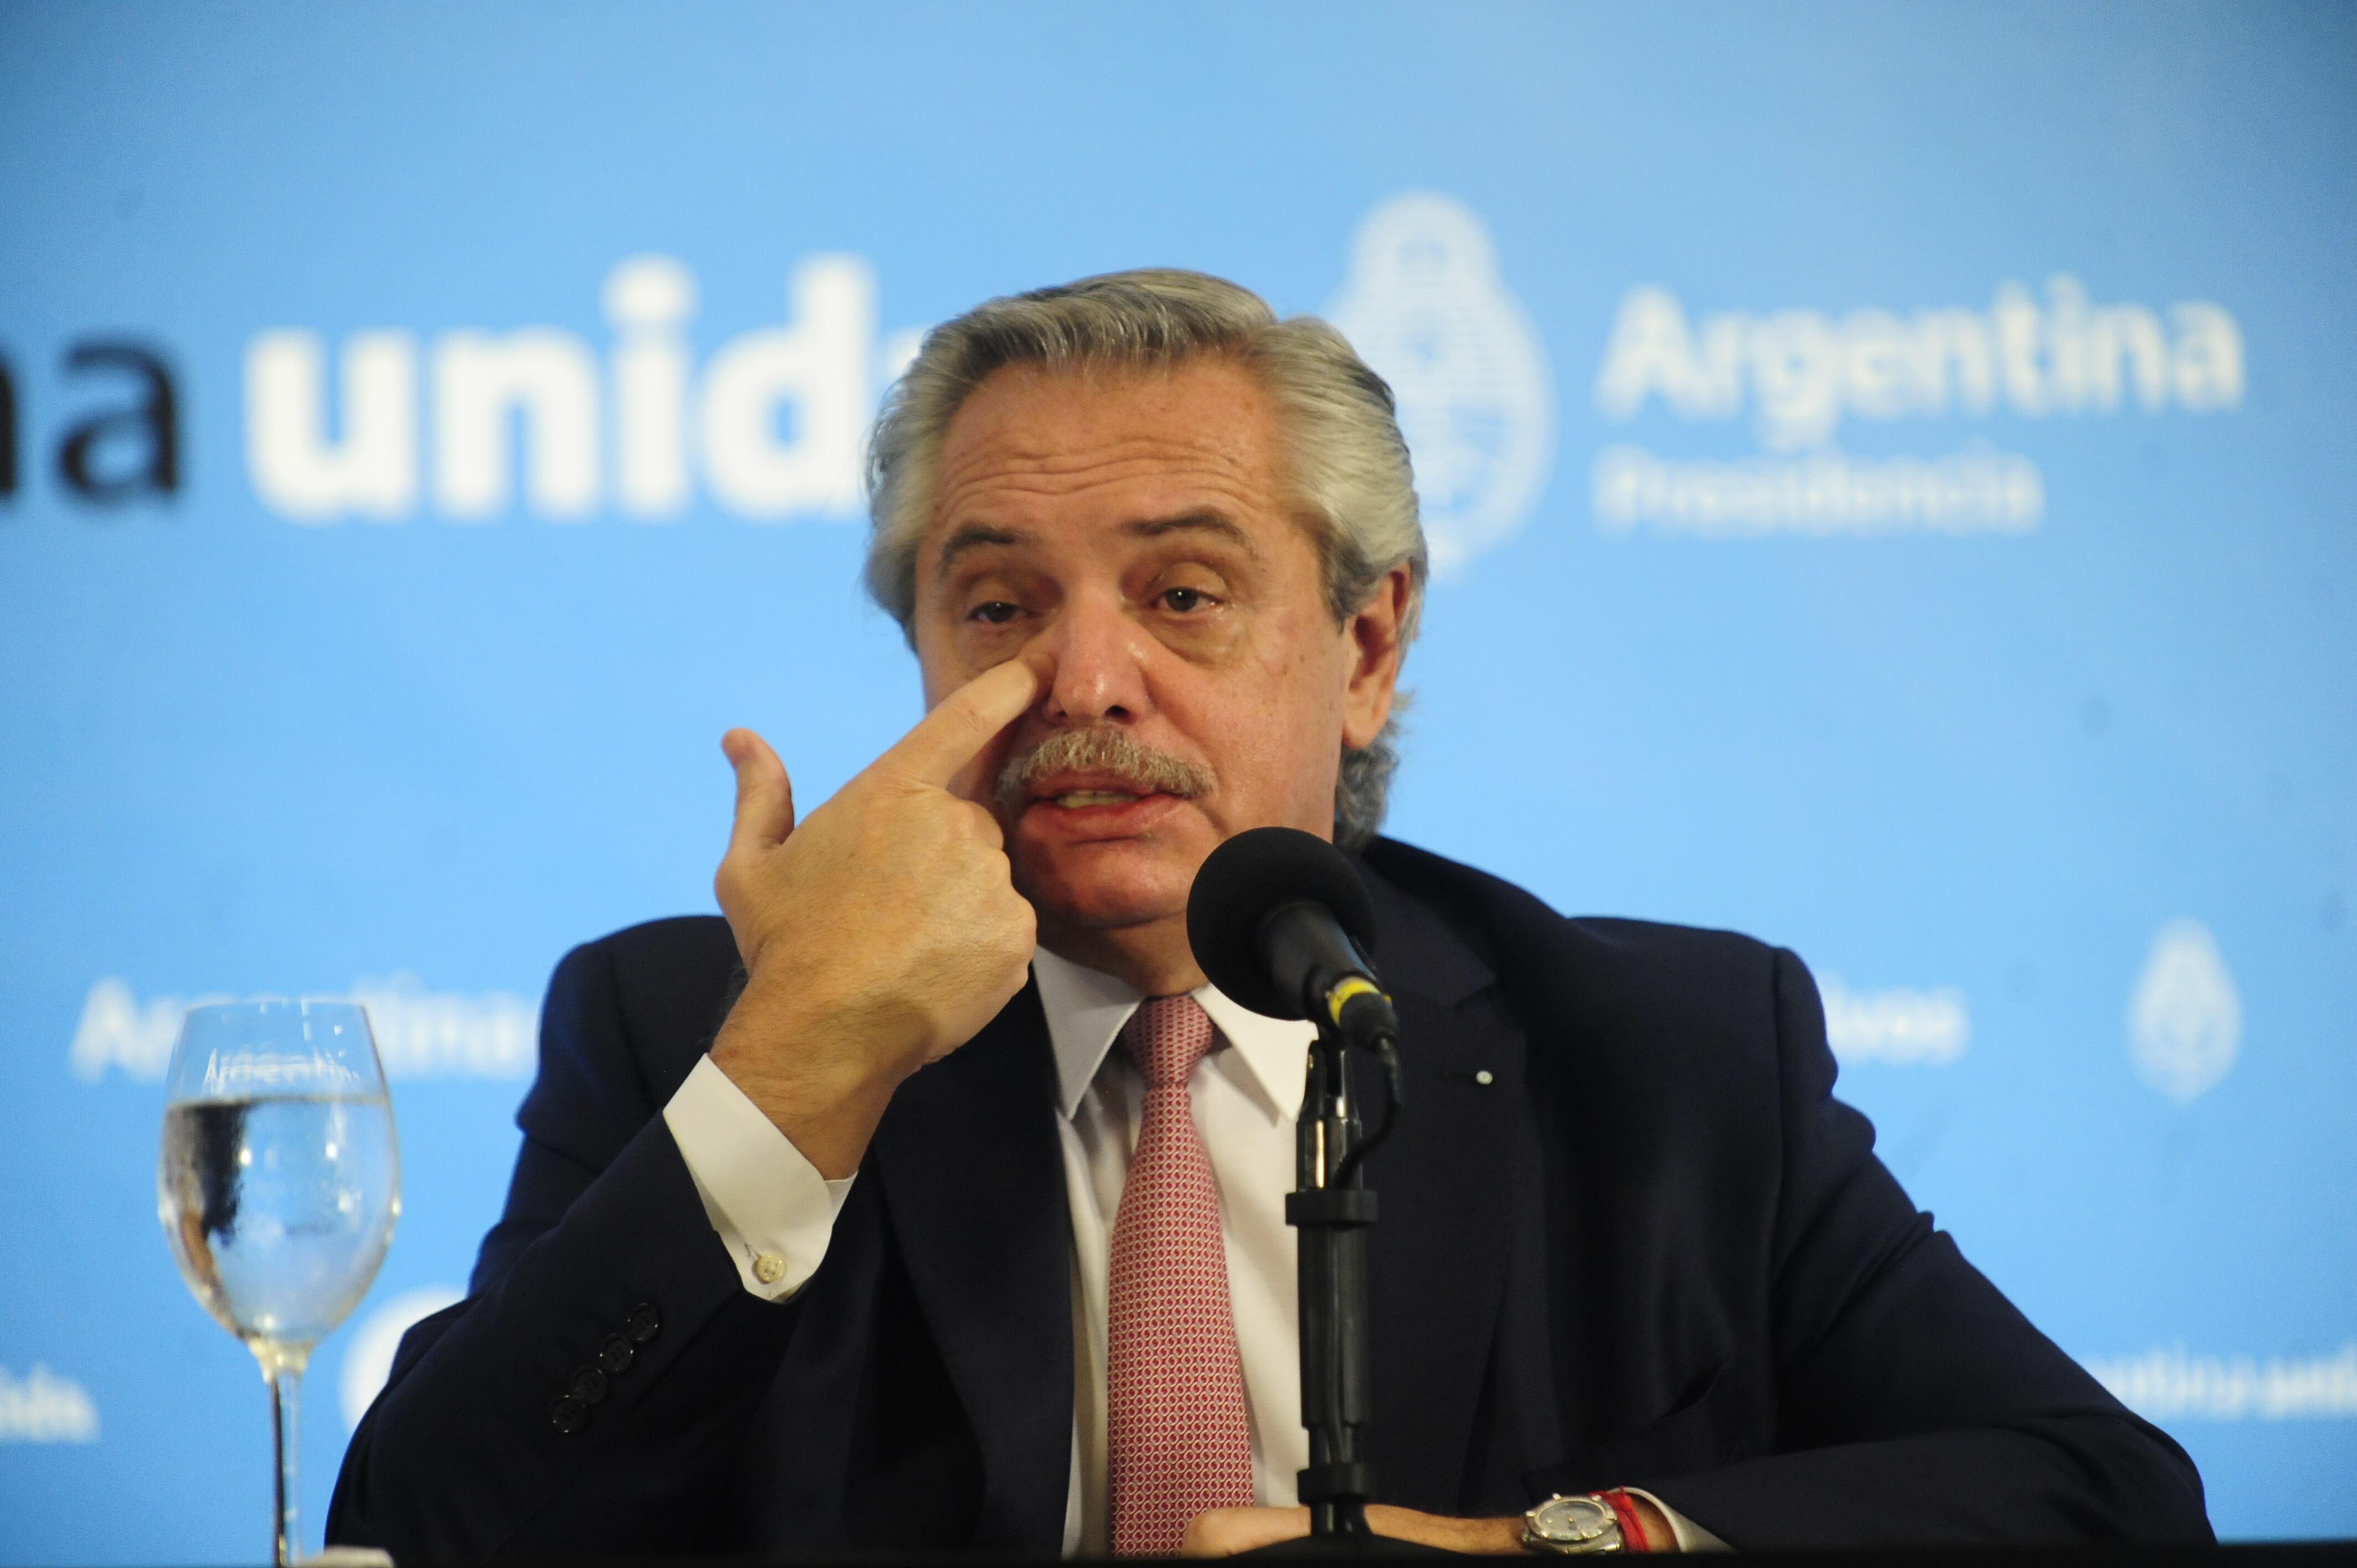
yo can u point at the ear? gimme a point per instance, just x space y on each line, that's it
1373 641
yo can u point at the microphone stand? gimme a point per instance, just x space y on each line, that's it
1331 1209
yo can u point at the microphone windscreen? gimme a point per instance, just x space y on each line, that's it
1245 878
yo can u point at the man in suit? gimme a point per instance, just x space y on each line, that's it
933 1199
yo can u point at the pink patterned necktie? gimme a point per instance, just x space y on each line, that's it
1178 1434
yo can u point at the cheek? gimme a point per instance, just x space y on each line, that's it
1272 722
1311 735
939 663
1306 671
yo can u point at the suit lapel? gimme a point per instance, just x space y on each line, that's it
973 1180
1439 1254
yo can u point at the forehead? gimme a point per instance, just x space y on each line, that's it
1034 448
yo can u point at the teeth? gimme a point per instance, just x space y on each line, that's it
1094 798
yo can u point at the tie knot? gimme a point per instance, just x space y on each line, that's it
1165 1037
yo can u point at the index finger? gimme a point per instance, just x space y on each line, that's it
962 724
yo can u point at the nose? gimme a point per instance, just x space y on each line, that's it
1101 665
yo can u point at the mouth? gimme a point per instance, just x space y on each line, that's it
1079 810
1086 793
1074 799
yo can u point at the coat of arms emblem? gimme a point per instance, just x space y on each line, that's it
2185 1019
1425 306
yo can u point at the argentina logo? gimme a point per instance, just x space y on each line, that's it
1801 374
1424 306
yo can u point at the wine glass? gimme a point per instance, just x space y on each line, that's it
277 1187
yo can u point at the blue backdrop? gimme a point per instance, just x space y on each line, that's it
1892 467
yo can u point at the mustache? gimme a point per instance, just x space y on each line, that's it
1148 768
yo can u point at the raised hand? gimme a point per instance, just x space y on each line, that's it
879 934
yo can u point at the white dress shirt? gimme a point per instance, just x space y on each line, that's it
775 1214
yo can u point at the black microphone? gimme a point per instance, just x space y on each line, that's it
1280 922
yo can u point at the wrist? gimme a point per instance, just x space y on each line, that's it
807 1074
1642 1526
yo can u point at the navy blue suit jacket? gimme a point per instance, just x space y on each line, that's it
1627 1237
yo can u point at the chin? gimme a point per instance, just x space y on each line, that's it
1105 885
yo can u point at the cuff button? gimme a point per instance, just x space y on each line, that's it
568 1416
615 1355
643 1324
768 1268
588 1385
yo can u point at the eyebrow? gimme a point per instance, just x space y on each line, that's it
973 536
977 535
1203 521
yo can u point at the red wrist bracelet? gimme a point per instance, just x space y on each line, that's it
1632 1528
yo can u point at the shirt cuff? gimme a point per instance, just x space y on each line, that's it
1690 1536
770 1208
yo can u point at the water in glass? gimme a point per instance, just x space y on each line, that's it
277 1187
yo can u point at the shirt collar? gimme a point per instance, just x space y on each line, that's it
1086 1009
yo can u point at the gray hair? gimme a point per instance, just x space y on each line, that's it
1347 464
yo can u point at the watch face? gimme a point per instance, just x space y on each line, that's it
1570 1520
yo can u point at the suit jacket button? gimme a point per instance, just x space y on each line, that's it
615 1355
643 1323
588 1385
568 1416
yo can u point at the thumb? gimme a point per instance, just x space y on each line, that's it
765 796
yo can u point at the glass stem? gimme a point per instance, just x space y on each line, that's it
284 1376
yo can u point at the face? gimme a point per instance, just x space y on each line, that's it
1126 533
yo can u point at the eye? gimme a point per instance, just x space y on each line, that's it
993 612
1185 601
